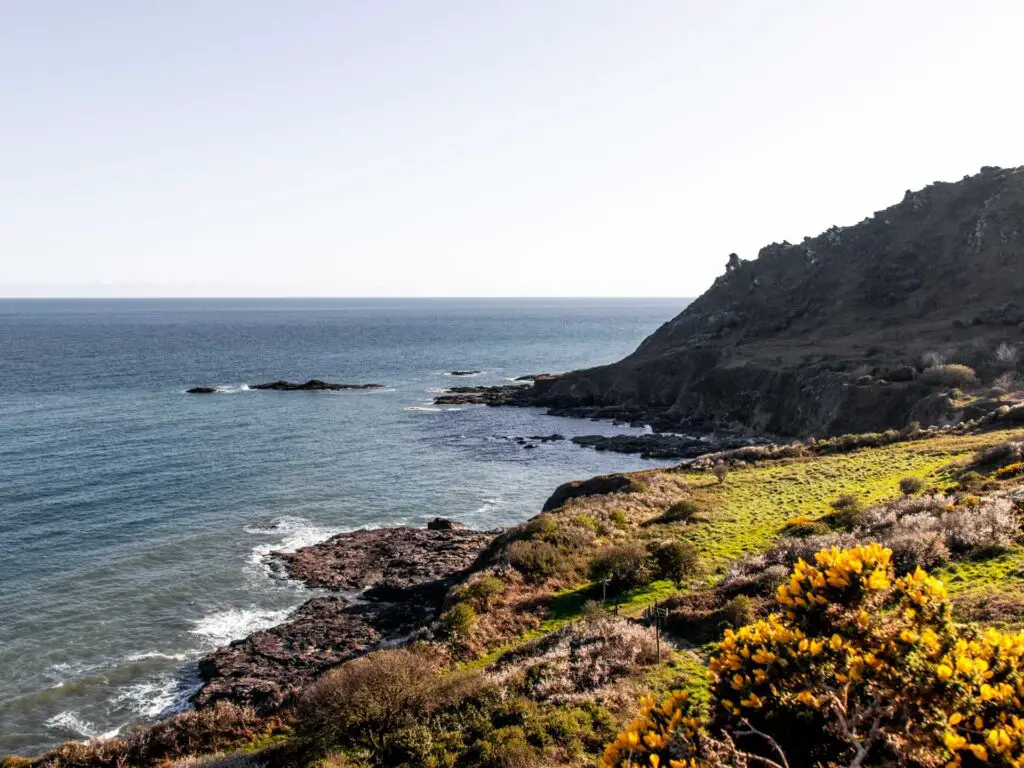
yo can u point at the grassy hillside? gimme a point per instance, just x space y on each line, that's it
526 666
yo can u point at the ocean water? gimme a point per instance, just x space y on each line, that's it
136 520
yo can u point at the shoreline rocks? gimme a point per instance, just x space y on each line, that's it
501 394
403 575
662 446
386 559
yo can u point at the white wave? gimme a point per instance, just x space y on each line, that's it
232 389
437 390
71 722
431 409
292 533
165 695
221 627
157 655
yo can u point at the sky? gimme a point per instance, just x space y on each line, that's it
485 148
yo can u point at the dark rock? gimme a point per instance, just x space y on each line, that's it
202 391
313 385
502 394
536 377
406 573
444 524
658 446
266 669
389 558
595 486
903 373
553 438
464 373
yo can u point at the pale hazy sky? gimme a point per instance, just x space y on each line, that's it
517 148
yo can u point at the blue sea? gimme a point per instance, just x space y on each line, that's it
136 520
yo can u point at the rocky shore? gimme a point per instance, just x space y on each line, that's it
399 575
501 394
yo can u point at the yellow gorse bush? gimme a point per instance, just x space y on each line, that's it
876 659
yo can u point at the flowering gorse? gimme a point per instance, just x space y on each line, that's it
876 660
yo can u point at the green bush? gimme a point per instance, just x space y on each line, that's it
911 485
586 521
680 512
619 519
738 612
505 748
536 560
624 566
675 560
802 528
847 511
482 591
457 622
371 702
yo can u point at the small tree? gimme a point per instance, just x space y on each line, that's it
721 472
676 560
623 565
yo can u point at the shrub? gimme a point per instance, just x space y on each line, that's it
1000 455
847 510
1010 470
536 560
675 560
971 481
721 472
872 662
680 512
371 701
911 485
482 591
950 375
505 748
593 612
623 565
619 519
457 622
802 527
586 521
738 611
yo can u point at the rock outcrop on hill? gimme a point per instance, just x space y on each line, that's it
830 335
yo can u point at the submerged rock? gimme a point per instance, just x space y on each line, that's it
202 391
661 446
464 373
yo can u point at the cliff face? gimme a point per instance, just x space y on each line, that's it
785 343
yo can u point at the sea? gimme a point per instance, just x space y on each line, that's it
137 521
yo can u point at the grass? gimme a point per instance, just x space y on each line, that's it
747 513
1001 571
755 503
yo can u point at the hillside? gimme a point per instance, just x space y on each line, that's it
784 343
525 667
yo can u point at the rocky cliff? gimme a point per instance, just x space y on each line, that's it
830 335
